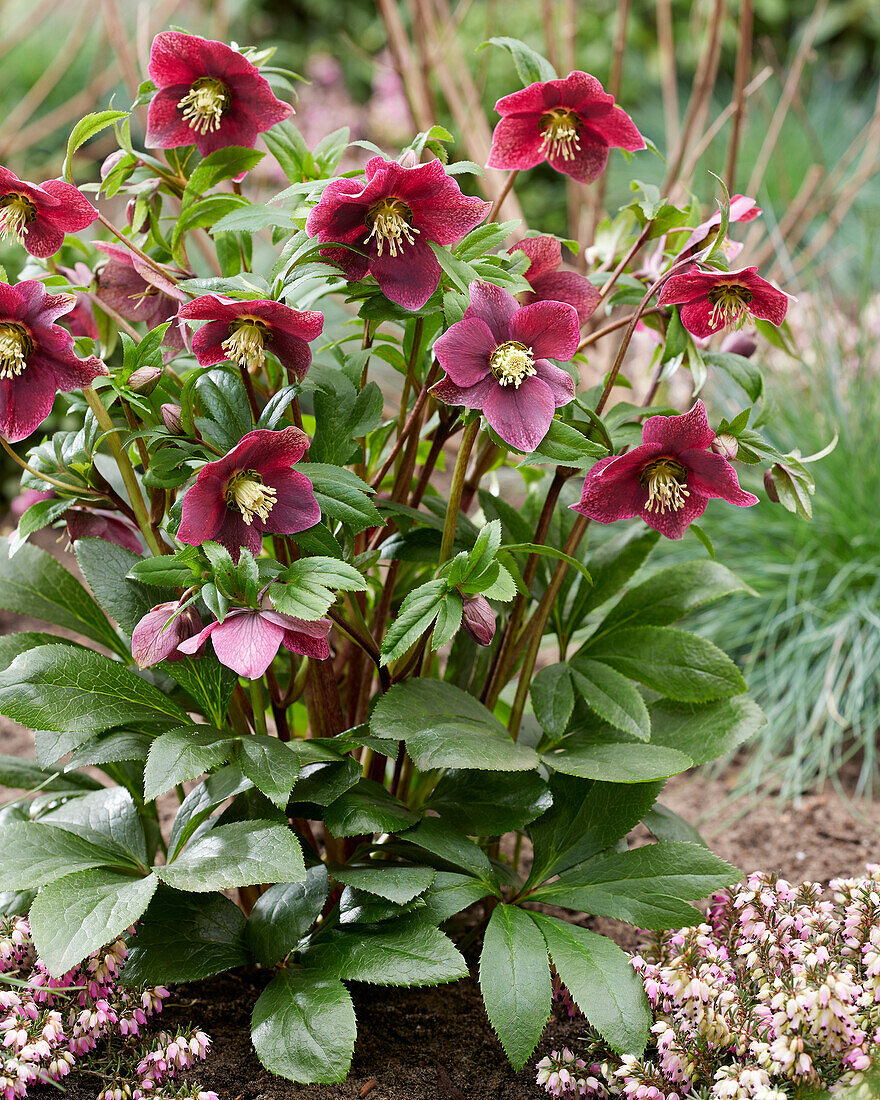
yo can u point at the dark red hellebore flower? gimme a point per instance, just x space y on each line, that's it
38 215
548 283
713 300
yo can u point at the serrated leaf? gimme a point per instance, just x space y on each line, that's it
615 761
612 697
241 853
107 817
270 765
410 953
515 981
87 128
366 808
32 854
343 496
449 894
708 731
398 883
482 804
552 696
417 613
16 771
308 586
531 67
183 754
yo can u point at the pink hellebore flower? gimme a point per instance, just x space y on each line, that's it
38 215
209 96
742 209
96 523
551 285
713 300
251 491
36 357
393 218
159 633
496 360
137 292
247 641
244 331
570 123
667 481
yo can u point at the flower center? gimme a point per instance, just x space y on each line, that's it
730 306
665 480
512 364
204 104
15 212
391 223
245 344
15 347
250 496
560 133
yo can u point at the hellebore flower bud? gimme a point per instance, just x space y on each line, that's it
129 217
739 343
770 486
145 379
156 638
478 619
725 445
408 159
109 163
171 418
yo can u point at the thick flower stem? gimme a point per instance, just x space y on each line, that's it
251 393
258 705
126 470
505 191
464 453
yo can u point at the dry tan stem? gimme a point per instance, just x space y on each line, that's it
789 91
551 46
743 66
597 197
119 40
797 217
668 74
24 27
404 62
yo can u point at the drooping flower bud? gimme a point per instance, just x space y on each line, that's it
158 634
145 379
739 343
408 159
172 419
770 486
109 163
478 619
726 445
97 523
129 217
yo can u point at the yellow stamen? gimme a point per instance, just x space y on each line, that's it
665 481
245 345
730 306
391 225
250 496
512 364
15 347
560 133
15 212
204 104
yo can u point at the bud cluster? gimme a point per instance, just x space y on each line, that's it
778 992
49 1026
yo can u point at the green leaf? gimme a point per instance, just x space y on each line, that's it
202 800
308 586
78 914
678 664
615 761
553 698
106 567
13 645
183 754
35 518
252 218
303 1027
444 727
531 67
448 620
33 583
367 808
743 371
324 783
270 765
107 817
32 854
564 445
549 552
343 496
409 953
612 565
416 615
398 883
585 819
482 804
613 697
16 771
601 981
222 164
168 571
222 395
671 593
87 128
57 687
184 938
708 731
515 981
284 914
447 843
449 894
667 825
242 853
647 886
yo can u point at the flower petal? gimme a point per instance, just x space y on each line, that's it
687 286
521 416
495 306
410 278
607 501
472 397
586 163
263 450
674 524
700 319
680 433
713 476
550 329
74 211
545 254
295 508
517 142
559 380
247 643
464 351
565 286
204 508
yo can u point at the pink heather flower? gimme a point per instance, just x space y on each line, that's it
158 634
247 641
209 96
392 218
551 285
667 481
742 209
251 491
570 123
96 523
138 292
495 360
36 357
713 300
244 331
38 215
478 619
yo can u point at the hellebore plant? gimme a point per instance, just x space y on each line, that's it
334 598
